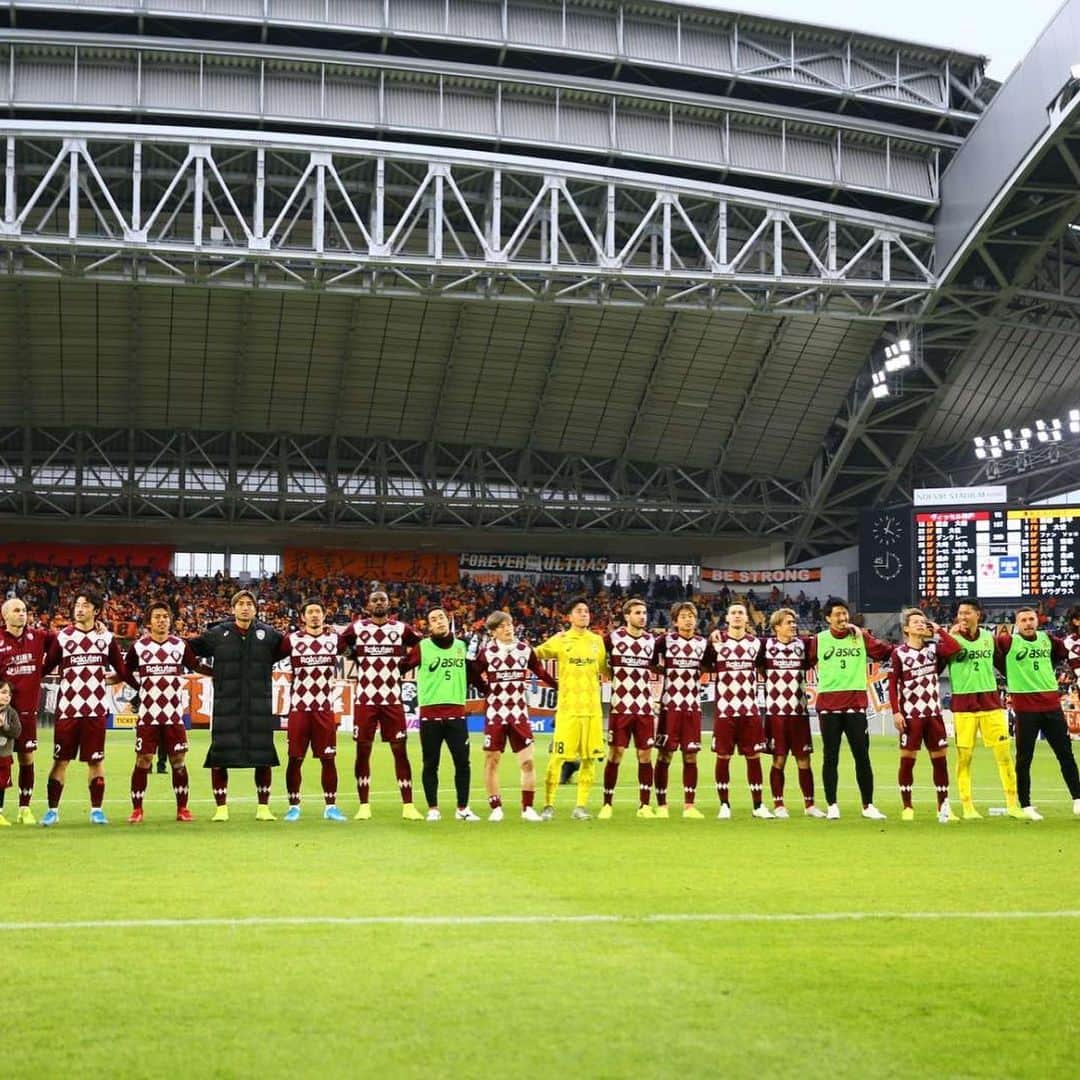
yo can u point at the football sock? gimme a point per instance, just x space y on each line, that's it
527 796
753 778
362 771
263 779
723 778
660 778
689 781
1007 772
611 778
97 791
551 778
806 784
54 790
180 785
328 776
494 801
644 781
776 785
26 784
139 778
585 778
963 773
402 771
219 782
941 778
905 776
293 774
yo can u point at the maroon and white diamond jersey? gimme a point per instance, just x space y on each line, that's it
913 682
156 669
313 659
22 665
681 661
631 660
736 675
1072 649
378 651
785 665
507 672
85 656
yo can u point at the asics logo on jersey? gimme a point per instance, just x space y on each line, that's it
837 651
434 665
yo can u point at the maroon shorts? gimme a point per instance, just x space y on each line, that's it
148 737
81 737
679 731
27 741
388 720
747 733
5 772
518 734
928 731
316 728
788 735
621 727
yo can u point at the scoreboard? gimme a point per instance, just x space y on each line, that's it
997 553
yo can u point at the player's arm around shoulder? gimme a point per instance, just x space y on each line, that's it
552 649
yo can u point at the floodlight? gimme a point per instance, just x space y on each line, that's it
1025 433
980 453
898 362
1043 435
995 451
1008 433
1024 444
1040 424
979 440
994 440
881 390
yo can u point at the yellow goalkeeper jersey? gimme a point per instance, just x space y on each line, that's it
582 659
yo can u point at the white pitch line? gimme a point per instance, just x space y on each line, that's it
257 921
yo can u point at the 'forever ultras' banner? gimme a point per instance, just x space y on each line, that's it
436 568
475 562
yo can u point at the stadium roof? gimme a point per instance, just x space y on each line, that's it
686 340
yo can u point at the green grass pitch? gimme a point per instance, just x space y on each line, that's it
565 995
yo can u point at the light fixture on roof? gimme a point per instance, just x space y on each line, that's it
1074 421
898 355
879 387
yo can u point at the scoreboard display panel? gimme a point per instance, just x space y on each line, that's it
997 553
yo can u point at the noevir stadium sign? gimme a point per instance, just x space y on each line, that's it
760 577
532 564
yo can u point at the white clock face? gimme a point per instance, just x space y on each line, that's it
887 530
887 565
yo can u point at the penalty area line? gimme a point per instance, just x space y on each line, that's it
256 921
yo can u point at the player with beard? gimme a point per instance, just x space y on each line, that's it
630 650
841 653
378 644
155 665
1027 657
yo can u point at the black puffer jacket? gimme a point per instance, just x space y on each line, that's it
243 726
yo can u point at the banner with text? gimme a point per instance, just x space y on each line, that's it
789 576
472 563
141 556
436 568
